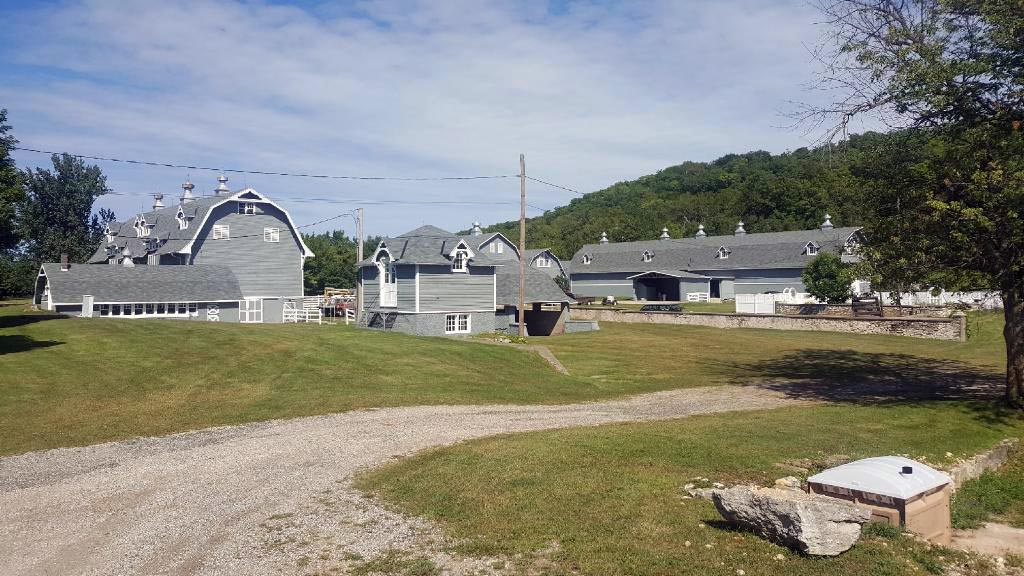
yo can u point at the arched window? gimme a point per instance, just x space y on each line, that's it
647 256
460 261
587 259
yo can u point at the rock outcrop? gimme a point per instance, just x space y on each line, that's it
810 523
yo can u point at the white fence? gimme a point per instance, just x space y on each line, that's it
698 297
765 303
978 298
309 312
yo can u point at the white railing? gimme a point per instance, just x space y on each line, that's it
978 298
293 313
698 297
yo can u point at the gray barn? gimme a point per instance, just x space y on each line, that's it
669 269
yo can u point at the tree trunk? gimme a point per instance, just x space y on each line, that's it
1013 334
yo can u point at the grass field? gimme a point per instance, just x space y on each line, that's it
612 496
69 381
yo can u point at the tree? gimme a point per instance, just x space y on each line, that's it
334 264
11 192
55 216
828 278
952 71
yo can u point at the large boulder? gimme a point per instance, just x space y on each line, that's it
810 523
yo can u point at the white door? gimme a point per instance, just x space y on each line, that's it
250 311
388 284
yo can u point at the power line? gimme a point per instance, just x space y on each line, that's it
567 189
265 172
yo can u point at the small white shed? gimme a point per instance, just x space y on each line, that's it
897 490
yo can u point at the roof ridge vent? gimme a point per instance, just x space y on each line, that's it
700 232
604 238
664 235
740 230
827 224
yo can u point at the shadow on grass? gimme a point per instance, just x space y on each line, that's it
18 343
23 319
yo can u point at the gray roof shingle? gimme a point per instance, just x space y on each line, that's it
539 287
111 284
752 250
431 245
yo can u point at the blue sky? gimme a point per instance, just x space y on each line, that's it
592 92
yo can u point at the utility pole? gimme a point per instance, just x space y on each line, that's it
522 245
359 269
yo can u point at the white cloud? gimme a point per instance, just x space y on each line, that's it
593 94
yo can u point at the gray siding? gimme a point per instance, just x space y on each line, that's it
406 276
693 285
760 281
603 284
508 252
554 271
370 286
444 290
262 268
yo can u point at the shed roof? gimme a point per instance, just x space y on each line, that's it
539 287
114 284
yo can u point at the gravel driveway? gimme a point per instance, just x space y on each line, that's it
267 498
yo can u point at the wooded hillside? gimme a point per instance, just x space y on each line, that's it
768 192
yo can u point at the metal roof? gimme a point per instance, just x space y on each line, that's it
752 250
113 284
883 475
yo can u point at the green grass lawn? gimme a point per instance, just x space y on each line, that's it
997 495
612 496
70 381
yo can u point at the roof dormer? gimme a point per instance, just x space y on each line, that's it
460 256
141 226
182 218
722 253
811 248
647 256
587 259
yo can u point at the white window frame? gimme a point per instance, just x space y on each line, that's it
647 256
587 259
811 249
723 253
542 262
460 261
247 208
501 247
182 220
492 247
221 232
458 323
271 234
250 311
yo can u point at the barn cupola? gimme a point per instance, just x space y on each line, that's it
664 235
700 232
740 230
827 224
604 238
477 231
186 192
158 201
222 186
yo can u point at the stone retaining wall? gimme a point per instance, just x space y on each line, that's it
846 310
986 461
917 327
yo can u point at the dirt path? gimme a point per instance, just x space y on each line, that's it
266 498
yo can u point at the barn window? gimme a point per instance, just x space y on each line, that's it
456 324
542 262
811 249
182 220
587 259
460 262
221 232
647 256
246 208
271 234
723 253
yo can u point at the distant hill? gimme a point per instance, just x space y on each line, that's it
768 192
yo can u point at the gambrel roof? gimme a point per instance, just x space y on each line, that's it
751 250
165 229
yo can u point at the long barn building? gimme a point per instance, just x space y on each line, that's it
669 269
